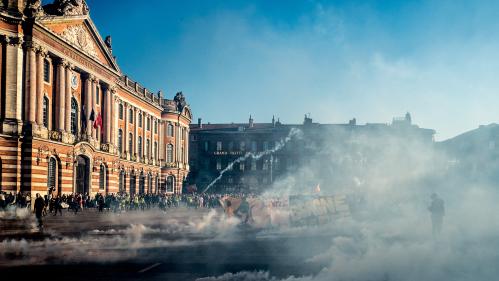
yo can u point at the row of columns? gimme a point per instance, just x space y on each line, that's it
35 93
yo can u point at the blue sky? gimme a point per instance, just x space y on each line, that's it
372 60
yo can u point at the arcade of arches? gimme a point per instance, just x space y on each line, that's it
71 121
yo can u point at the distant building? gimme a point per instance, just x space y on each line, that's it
214 146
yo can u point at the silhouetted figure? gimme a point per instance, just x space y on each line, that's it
39 206
437 210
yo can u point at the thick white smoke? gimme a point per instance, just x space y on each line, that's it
389 234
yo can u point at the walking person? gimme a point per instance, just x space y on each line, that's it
39 207
437 210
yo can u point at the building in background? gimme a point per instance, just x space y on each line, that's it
323 149
71 121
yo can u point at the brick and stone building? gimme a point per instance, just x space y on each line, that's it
320 152
70 120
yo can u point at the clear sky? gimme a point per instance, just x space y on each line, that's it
336 60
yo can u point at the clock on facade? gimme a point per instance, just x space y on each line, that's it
74 82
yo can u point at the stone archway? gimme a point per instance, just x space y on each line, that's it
82 174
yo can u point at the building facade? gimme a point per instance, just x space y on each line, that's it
71 121
321 152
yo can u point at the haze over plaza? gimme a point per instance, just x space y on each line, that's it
337 60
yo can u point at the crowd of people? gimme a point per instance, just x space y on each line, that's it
115 202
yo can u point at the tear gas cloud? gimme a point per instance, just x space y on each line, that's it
389 179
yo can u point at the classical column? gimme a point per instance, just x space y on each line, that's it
88 103
114 117
13 79
61 98
108 116
125 131
40 56
161 140
94 97
31 98
144 126
136 133
68 96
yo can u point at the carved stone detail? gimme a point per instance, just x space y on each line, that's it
78 36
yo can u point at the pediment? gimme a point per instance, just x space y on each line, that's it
81 33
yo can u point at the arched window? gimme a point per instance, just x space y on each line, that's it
149 183
132 184
170 182
170 130
140 120
52 174
45 112
74 116
148 146
130 143
130 116
139 144
169 153
120 141
121 111
121 183
102 177
141 183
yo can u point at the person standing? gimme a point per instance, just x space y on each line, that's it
437 210
39 207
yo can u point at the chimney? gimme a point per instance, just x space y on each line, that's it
200 123
251 122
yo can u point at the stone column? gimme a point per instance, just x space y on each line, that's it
125 131
94 97
61 98
136 133
88 103
114 117
68 96
40 56
108 116
31 91
161 140
13 84
144 127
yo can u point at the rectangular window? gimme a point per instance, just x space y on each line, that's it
206 146
148 124
265 145
242 146
219 164
130 116
156 127
121 111
241 166
46 71
265 165
253 165
97 95
170 130
219 146
231 146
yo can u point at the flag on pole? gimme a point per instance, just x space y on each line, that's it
98 121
